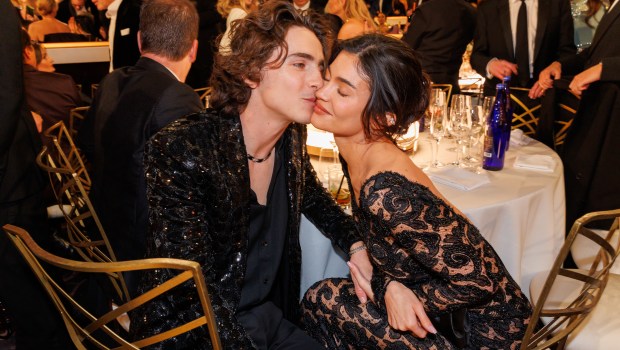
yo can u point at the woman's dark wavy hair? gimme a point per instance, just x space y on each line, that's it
253 41
397 83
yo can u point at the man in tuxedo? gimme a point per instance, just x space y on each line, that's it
519 38
440 37
133 103
124 18
304 5
38 324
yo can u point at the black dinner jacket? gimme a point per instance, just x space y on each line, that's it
126 52
132 103
440 37
50 94
590 157
493 37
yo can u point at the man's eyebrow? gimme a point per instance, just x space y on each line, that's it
302 55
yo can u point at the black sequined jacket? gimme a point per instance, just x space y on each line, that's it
198 188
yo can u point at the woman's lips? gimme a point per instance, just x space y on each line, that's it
318 109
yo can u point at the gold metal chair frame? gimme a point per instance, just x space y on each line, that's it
76 117
204 94
526 120
82 332
560 322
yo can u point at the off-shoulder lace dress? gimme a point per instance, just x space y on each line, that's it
417 239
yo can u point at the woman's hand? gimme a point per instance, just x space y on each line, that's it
405 311
583 80
361 274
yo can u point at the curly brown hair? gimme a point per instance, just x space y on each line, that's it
254 39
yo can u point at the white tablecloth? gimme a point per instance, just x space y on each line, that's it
520 212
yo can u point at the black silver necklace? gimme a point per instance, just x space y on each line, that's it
258 160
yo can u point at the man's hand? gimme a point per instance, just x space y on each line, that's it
405 311
583 80
361 274
502 68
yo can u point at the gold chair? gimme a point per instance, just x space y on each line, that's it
204 94
525 111
66 154
84 328
447 88
76 117
93 90
565 297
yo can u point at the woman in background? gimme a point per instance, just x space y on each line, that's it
48 23
232 10
428 260
354 15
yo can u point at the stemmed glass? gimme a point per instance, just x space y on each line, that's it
438 121
460 123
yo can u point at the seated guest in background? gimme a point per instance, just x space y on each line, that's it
388 7
131 105
520 39
354 15
440 37
44 62
36 321
51 95
83 25
48 23
227 188
232 10
305 5
122 33
428 259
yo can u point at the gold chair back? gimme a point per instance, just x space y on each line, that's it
84 230
76 117
66 154
204 94
447 88
559 321
525 111
85 329
93 90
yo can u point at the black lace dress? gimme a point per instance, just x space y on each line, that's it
417 239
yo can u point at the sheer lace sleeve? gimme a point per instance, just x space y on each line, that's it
420 241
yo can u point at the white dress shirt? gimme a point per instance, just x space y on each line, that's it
532 24
111 14
306 7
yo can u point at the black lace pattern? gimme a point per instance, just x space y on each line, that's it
417 239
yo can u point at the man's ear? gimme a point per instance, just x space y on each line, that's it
251 84
140 42
29 56
193 51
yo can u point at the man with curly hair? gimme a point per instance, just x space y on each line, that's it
227 187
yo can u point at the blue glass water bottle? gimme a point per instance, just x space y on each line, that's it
497 132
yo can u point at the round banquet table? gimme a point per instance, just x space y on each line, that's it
521 213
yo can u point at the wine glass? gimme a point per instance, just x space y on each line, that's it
437 127
459 124
326 159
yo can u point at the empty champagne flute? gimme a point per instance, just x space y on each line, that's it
437 127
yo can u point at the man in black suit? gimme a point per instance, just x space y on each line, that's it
545 36
124 18
38 325
304 5
52 95
440 37
132 104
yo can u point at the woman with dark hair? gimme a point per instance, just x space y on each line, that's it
430 263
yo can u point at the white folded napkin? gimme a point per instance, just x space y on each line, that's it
459 178
539 162
518 138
